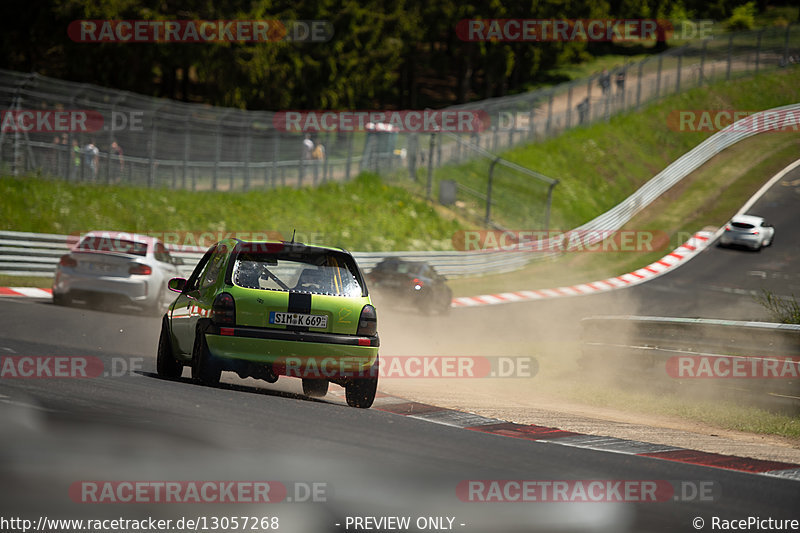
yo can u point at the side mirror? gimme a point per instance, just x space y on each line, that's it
176 284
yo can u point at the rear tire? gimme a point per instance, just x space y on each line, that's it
204 369
316 388
166 364
360 392
60 299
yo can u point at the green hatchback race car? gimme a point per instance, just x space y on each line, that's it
267 309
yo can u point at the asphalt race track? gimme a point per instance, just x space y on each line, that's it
130 425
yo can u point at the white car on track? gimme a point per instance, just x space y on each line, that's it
748 231
117 267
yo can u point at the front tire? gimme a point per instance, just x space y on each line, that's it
166 364
204 369
316 388
160 305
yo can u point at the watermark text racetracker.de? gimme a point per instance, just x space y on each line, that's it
67 366
412 367
550 241
587 490
583 30
200 31
197 491
403 121
732 367
738 120
69 121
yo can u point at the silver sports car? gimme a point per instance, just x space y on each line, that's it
117 267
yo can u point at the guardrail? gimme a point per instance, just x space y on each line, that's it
32 254
759 359
37 254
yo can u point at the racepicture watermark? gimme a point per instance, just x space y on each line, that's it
750 523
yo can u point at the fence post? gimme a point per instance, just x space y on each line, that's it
549 203
639 85
658 76
589 100
758 50
549 115
702 63
624 89
247 149
786 45
151 178
569 107
275 144
186 144
678 76
217 149
531 124
429 186
110 140
325 157
349 156
730 58
488 217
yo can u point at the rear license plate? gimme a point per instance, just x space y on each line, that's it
298 319
101 267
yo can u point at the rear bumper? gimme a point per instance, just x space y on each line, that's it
293 353
134 289
753 241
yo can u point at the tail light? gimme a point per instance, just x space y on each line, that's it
140 270
727 227
67 261
223 311
368 321
418 283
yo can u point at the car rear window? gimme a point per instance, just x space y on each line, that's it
742 225
329 273
107 243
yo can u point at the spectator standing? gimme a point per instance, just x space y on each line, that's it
117 160
620 79
308 147
76 158
91 159
605 81
583 110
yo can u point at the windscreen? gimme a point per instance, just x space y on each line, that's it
318 273
742 225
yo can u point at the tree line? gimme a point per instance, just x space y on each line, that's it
383 53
